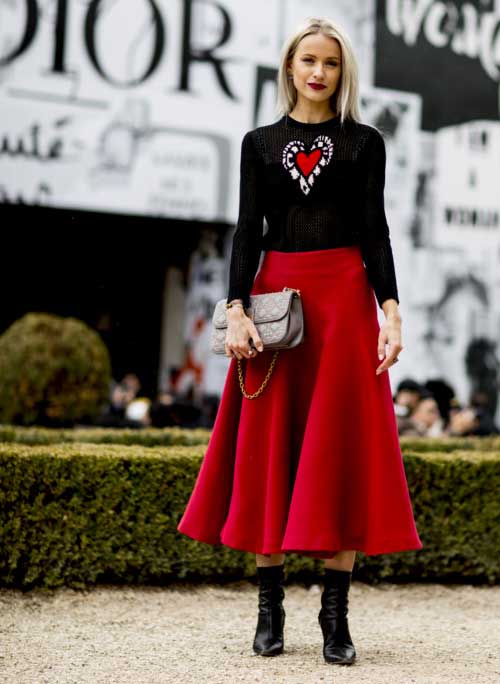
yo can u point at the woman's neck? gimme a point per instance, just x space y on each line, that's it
311 114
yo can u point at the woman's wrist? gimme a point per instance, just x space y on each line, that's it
236 311
391 310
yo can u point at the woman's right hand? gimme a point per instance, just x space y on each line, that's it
240 328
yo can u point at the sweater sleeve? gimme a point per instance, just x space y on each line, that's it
247 238
375 240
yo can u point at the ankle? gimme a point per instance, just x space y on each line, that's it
335 575
339 568
270 571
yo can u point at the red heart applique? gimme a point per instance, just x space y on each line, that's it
306 163
305 167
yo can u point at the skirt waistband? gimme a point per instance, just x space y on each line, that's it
313 261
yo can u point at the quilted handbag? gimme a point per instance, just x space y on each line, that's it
279 319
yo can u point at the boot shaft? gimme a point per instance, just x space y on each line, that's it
269 638
335 595
337 645
271 591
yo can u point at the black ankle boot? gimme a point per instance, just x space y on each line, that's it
269 634
338 646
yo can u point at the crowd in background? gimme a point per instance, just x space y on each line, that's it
129 407
428 409
431 409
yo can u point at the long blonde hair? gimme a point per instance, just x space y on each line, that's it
345 100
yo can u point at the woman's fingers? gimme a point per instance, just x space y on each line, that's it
231 351
256 339
390 358
240 350
382 340
389 334
247 346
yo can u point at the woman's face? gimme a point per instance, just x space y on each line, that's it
317 60
426 412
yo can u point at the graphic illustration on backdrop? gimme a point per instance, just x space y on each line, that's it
102 124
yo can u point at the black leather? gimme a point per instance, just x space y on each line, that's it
269 639
337 643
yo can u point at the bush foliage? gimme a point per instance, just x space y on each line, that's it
55 371
76 514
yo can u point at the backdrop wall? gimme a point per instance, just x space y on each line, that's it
139 106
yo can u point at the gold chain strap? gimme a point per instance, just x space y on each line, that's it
268 374
264 382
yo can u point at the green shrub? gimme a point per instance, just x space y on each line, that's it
54 371
190 436
168 436
77 514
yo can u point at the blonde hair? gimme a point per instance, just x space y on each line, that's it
345 100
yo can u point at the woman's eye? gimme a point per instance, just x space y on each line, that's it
308 59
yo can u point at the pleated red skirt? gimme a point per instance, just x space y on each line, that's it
313 465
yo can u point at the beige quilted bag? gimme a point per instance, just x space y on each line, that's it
279 319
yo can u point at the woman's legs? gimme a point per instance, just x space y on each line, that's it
271 559
337 645
342 560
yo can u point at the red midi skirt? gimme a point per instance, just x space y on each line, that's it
313 465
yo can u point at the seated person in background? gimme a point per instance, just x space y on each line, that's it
444 394
405 400
121 396
470 421
424 420
485 404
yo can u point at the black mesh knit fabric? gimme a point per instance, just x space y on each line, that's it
318 185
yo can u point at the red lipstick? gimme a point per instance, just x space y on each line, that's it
316 86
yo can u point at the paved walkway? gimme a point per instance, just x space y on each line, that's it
417 633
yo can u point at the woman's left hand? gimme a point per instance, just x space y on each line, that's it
390 333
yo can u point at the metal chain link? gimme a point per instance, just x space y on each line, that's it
264 382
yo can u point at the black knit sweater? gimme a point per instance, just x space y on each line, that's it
318 185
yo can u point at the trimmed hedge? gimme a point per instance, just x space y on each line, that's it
77 514
142 436
188 436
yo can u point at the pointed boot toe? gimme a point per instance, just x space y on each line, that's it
337 644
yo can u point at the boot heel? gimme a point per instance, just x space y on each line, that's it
269 639
337 643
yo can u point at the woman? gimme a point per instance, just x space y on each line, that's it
312 464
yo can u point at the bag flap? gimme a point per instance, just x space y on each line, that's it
269 307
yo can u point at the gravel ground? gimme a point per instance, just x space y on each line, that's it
422 633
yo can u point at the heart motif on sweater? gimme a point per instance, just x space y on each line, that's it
306 163
306 166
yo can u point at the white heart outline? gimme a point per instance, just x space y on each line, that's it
292 148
